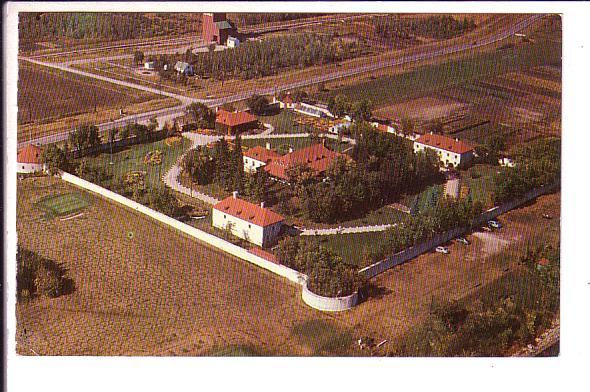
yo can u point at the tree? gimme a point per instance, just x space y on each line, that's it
237 163
112 135
436 126
201 115
258 104
361 110
85 137
407 125
211 47
229 107
55 159
300 176
339 105
138 56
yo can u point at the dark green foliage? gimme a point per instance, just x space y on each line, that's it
258 104
199 165
256 185
36 275
138 56
253 18
537 163
85 137
328 274
96 175
140 132
436 26
200 115
55 159
255 59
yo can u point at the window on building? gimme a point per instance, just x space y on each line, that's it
249 226
224 216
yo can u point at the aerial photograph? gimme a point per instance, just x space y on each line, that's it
288 184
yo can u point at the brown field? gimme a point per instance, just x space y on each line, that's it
168 294
50 101
424 109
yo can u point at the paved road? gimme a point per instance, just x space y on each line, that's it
178 110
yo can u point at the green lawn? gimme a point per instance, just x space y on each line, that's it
60 205
131 159
284 122
431 78
425 199
352 247
281 145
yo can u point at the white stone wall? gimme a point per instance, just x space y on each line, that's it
234 250
29 167
328 304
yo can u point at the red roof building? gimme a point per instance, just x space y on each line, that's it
451 152
216 28
264 254
258 156
234 122
317 157
29 154
246 220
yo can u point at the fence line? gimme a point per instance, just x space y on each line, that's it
409 253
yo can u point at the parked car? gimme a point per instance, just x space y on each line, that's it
494 224
463 240
547 216
442 249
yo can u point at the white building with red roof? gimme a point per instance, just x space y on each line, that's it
258 156
451 152
252 222
29 160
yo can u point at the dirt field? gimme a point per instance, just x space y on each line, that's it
46 96
154 294
424 108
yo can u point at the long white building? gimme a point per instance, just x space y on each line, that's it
451 152
252 222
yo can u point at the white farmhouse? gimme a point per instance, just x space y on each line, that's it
29 160
233 42
451 152
252 222
257 157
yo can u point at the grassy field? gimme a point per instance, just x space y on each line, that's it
480 179
132 159
284 122
428 79
281 145
64 204
353 247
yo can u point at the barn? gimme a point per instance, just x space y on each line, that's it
216 28
233 123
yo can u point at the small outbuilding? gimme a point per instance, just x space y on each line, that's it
184 68
233 123
29 160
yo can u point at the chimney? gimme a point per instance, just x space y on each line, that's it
267 145
261 204
235 194
290 150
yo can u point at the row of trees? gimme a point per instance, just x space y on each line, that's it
537 163
100 25
328 274
248 19
436 26
255 59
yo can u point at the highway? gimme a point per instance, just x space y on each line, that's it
169 113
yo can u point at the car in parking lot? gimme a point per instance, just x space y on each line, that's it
442 249
462 240
494 224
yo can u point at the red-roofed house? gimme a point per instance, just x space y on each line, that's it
258 156
451 152
29 160
246 220
317 157
234 122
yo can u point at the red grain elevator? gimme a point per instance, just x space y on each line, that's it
216 27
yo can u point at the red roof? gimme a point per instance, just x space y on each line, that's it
264 254
318 157
543 262
288 99
261 154
29 154
247 211
382 127
445 143
232 119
